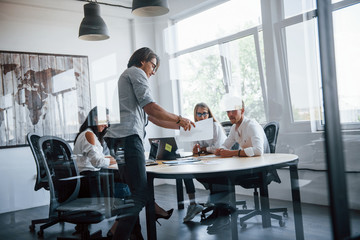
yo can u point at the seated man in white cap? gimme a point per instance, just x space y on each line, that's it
253 142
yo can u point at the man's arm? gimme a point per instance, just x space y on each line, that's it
230 153
164 118
164 124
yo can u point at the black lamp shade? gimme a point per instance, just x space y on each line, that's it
150 8
93 27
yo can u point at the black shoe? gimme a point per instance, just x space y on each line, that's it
219 224
169 213
210 219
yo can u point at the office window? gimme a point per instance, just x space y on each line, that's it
293 8
208 25
303 71
347 37
200 77
298 41
246 75
233 63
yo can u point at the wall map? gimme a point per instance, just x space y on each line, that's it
47 94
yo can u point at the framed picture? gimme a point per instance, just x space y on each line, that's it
48 94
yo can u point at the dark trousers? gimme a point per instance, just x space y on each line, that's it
189 185
90 184
135 177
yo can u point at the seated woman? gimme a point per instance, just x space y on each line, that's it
201 112
89 146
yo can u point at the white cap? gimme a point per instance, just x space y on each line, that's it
230 102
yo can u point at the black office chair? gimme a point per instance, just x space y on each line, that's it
41 182
271 131
226 126
64 184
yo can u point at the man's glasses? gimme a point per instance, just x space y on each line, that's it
204 114
153 66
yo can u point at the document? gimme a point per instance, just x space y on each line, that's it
202 131
189 160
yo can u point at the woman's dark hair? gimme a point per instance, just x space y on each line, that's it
143 54
91 123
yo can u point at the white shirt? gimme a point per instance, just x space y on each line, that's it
90 157
250 136
214 143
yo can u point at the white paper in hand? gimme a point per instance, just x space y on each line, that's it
202 131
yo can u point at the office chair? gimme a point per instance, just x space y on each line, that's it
64 183
271 130
41 182
227 126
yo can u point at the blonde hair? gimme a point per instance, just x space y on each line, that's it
203 105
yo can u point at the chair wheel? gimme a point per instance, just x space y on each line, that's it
285 214
282 223
32 228
40 233
244 207
243 225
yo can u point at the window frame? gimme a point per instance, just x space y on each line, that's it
254 32
280 37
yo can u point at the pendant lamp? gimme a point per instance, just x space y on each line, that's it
93 27
150 8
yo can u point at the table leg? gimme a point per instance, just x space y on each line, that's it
234 215
264 201
180 193
106 181
295 191
150 211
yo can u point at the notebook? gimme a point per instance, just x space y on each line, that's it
165 148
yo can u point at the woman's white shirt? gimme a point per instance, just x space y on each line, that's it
89 157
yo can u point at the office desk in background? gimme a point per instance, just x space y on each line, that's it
211 166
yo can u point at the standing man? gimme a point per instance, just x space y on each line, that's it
137 106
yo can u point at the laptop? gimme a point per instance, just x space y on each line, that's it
163 148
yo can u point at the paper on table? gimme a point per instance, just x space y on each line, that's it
202 131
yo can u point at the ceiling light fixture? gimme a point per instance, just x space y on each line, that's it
93 27
146 8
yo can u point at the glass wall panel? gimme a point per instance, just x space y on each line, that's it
347 38
302 57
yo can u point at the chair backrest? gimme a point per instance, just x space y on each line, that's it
227 126
41 178
271 130
62 172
